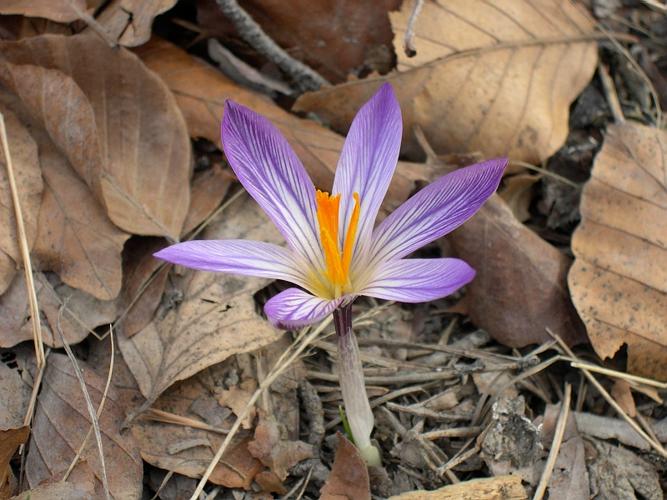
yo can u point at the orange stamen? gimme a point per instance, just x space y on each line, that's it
337 262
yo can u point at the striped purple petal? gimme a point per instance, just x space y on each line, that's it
436 210
295 308
270 171
368 161
418 280
248 258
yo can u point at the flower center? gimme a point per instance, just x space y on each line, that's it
337 260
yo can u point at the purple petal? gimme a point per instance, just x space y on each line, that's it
295 308
270 171
368 161
418 280
249 258
436 210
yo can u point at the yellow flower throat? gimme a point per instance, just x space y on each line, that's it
337 262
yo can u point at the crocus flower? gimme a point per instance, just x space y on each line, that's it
334 253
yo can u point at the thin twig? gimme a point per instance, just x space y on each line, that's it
304 77
164 482
102 401
94 25
408 40
555 444
24 248
91 410
610 93
285 360
655 445
546 172
582 365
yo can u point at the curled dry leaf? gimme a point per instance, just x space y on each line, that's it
207 317
619 278
61 422
489 77
74 236
334 38
520 288
114 120
201 91
28 179
349 475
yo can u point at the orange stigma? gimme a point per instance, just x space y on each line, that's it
337 260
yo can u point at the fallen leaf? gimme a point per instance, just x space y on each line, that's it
237 397
489 488
62 11
29 186
144 281
129 21
187 450
201 92
78 312
74 236
128 141
520 288
209 187
56 489
619 278
616 472
278 454
517 191
61 422
214 316
349 475
15 396
495 78
569 478
334 38
10 440
7 271
622 393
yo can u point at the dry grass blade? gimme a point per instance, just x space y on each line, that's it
25 253
172 418
91 411
100 407
555 444
286 359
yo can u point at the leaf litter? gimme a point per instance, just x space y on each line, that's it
100 138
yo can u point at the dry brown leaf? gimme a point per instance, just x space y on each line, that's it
28 179
622 393
619 278
74 236
278 454
334 38
213 317
237 397
61 422
7 271
201 91
520 288
115 121
209 187
79 312
130 21
349 475
15 395
142 291
517 191
62 11
187 450
56 490
495 78
489 488
10 440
